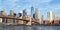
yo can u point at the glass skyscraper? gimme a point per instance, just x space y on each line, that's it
32 11
24 12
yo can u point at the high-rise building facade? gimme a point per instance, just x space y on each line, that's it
11 12
24 12
37 15
50 16
32 11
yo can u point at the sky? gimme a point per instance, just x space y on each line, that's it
44 6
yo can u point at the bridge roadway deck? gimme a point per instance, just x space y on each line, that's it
8 17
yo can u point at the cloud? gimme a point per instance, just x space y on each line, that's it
43 1
13 1
57 6
38 1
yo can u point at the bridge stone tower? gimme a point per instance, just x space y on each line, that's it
29 19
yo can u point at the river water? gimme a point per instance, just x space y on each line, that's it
35 27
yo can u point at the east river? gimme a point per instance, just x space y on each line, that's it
34 27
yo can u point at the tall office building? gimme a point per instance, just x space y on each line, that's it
50 16
37 15
24 12
11 13
32 11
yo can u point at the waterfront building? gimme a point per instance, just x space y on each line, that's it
37 15
50 16
32 11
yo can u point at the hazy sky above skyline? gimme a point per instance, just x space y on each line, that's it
44 6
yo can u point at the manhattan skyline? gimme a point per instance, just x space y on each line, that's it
43 6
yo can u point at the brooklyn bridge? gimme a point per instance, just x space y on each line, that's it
9 20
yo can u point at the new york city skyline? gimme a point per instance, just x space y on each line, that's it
44 6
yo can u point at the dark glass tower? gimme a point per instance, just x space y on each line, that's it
34 15
32 11
24 12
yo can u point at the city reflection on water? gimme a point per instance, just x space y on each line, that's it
35 27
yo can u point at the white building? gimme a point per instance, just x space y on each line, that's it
50 16
37 15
